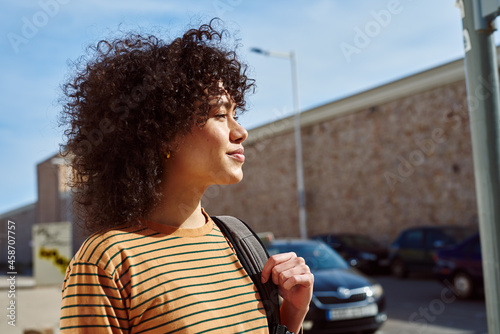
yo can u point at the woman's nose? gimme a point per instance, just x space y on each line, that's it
238 133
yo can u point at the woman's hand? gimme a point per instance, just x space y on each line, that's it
295 282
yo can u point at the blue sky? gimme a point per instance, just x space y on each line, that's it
343 47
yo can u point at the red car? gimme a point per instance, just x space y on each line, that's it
460 267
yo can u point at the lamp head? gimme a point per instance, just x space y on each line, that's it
260 51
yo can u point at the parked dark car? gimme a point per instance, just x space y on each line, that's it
460 267
360 251
414 248
344 300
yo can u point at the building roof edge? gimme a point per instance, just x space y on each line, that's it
435 77
18 210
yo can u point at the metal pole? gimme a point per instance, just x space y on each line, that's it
298 137
298 150
484 105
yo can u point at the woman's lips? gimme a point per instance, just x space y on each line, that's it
237 155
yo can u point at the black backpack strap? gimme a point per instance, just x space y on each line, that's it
253 255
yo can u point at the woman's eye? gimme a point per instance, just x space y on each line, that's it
224 116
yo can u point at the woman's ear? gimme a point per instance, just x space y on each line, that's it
173 145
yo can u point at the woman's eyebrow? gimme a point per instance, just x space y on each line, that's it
224 103
227 104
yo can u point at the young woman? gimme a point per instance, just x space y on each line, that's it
150 126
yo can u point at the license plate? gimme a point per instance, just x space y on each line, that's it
352 312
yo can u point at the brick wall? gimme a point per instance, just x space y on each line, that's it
375 170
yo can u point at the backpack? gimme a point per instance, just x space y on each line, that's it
253 255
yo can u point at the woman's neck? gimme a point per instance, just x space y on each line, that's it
180 206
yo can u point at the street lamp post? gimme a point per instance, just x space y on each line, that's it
298 138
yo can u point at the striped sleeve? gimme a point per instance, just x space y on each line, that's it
91 301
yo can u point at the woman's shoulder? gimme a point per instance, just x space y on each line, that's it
103 245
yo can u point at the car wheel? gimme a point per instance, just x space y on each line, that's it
463 285
398 269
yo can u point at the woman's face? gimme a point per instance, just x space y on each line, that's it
212 154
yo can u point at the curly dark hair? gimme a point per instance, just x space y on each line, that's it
124 106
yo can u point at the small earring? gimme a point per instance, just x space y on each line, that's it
166 155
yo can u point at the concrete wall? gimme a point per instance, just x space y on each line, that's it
401 162
23 219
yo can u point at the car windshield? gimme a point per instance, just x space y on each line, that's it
358 241
318 256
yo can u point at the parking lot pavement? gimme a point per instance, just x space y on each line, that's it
402 327
421 305
31 307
